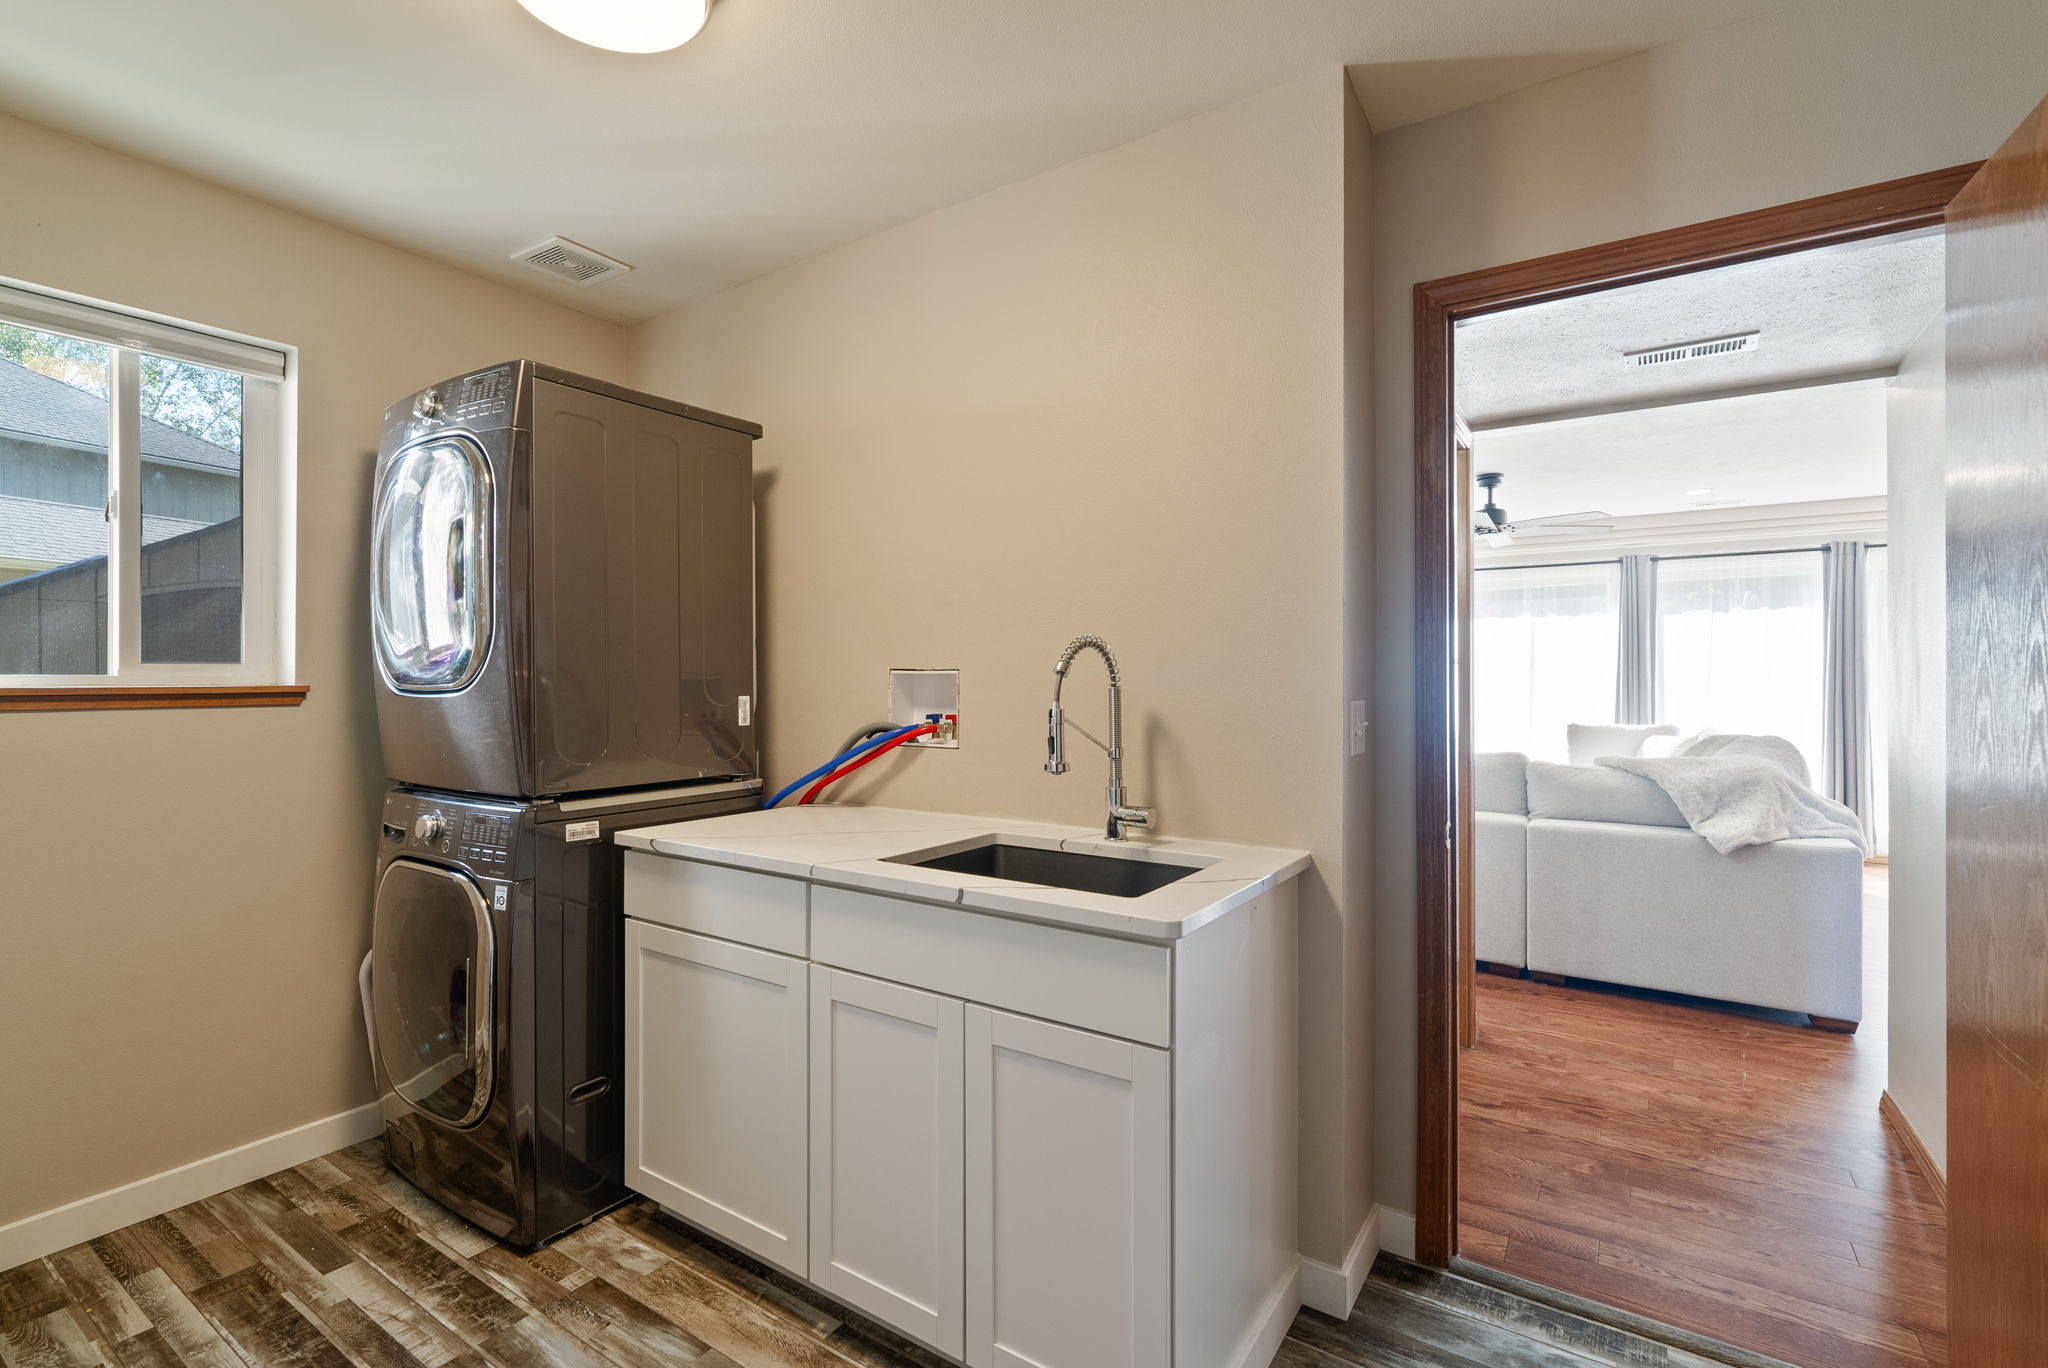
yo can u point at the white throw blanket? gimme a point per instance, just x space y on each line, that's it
1745 790
1731 744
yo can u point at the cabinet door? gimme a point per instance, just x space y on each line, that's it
716 1058
1068 1164
886 1116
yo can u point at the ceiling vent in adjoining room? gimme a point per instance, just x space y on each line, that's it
572 261
1692 351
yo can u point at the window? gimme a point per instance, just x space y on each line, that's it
144 529
1740 641
1543 654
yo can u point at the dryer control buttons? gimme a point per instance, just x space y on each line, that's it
428 827
428 405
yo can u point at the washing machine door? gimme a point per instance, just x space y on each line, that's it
430 591
431 989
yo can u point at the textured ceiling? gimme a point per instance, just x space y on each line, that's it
466 130
1788 446
1833 311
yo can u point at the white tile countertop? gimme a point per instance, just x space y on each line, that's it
862 848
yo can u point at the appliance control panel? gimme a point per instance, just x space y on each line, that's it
484 840
480 837
476 400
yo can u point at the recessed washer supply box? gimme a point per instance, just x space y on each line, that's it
915 695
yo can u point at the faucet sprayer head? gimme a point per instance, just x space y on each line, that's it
1055 741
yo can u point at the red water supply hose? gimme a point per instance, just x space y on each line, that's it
811 794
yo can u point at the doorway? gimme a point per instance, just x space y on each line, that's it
1654 604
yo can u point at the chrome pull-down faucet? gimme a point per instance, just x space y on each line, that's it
1120 815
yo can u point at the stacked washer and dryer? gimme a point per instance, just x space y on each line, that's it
563 623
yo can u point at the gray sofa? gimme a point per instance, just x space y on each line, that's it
1591 872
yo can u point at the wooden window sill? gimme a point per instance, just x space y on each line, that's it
104 698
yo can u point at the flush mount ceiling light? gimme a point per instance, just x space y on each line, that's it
624 25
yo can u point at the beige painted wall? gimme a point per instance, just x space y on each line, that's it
187 893
1106 399
1916 1044
1816 97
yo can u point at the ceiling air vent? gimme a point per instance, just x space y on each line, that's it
1691 351
572 261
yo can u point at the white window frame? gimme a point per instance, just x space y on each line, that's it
269 373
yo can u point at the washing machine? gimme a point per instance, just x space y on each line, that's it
561 586
497 991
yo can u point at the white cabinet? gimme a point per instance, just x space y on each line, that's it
717 1066
886 1182
1069 1229
1023 1145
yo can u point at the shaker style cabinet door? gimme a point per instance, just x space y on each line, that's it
716 1061
1068 1180
886 1116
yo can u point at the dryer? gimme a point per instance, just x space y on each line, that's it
497 982
561 587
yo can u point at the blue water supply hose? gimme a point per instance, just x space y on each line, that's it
836 761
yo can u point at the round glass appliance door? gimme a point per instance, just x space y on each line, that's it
431 988
430 592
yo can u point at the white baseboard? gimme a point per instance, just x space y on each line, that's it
88 1218
1275 1317
1333 1290
1397 1231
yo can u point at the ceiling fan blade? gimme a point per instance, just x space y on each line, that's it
1550 529
1590 515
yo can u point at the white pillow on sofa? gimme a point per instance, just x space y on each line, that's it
1586 742
1663 747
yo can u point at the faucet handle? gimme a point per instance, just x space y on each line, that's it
1132 816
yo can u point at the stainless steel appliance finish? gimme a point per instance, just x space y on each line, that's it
1121 815
561 587
497 991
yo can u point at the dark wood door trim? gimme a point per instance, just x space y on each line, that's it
1872 211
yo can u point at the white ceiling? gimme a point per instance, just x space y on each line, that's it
1789 446
1832 311
466 130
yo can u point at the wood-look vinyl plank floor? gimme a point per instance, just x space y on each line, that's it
329 1265
1717 1168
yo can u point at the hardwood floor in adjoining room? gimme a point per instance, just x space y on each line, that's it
1717 1168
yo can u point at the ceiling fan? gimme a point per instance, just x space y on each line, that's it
1496 528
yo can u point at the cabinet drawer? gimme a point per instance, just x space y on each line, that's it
1117 987
732 904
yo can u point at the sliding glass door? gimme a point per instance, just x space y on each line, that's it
1740 641
1543 654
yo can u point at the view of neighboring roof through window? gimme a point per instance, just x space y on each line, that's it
133 566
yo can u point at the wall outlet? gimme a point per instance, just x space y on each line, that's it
1358 726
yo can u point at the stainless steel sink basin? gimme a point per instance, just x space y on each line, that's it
1108 874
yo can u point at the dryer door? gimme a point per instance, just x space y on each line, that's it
430 592
431 987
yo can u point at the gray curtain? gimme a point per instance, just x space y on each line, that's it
1635 669
1847 680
